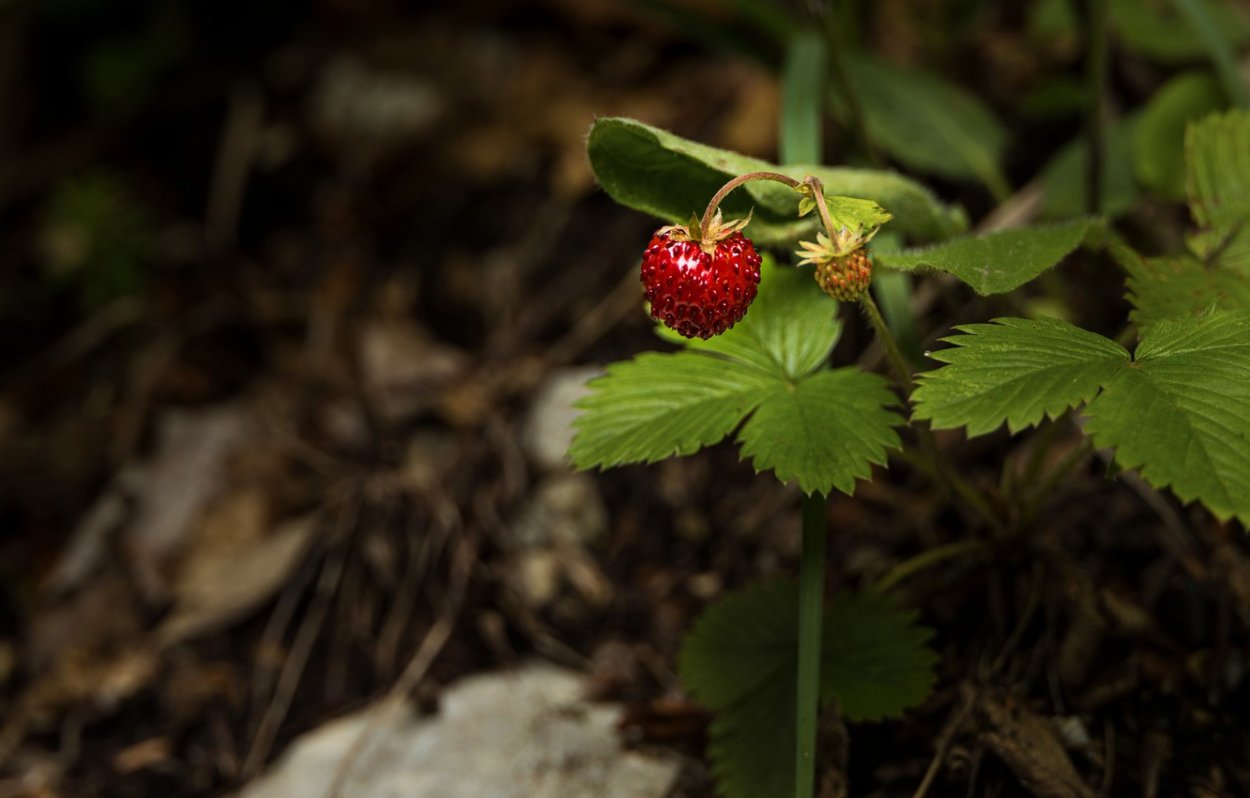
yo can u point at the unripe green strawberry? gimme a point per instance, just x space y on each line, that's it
845 278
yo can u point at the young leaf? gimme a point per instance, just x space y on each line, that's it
1063 176
1181 415
1017 371
659 405
1218 156
788 331
1159 139
825 431
740 661
1164 288
656 172
927 122
997 262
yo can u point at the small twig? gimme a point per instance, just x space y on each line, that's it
944 740
301 649
431 646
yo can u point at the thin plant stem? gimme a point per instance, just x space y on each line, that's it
895 355
946 472
1057 475
710 213
926 559
1096 86
811 610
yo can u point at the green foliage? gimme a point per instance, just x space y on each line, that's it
1159 140
1218 156
94 236
1157 29
1180 285
1017 371
1179 410
740 661
802 85
660 405
1063 177
1216 36
822 429
1000 261
1182 413
926 122
658 173
788 332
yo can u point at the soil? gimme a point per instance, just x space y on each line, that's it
276 308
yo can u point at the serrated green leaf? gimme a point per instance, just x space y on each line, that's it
825 431
1217 151
1063 176
856 215
926 122
740 660
788 331
656 172
1164 288
1015 371
1181 414
876 663
1000 261
659 405
1159 139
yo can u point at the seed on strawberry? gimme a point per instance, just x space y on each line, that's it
846 278
700 286
843 270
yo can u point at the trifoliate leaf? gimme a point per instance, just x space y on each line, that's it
1017 371
926 122
656 172
659 405
1168 287
740 660
997 262
1179 411
1217 151
825 431
1159 138
1181 414
788 331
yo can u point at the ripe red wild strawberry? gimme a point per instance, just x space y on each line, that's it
700 288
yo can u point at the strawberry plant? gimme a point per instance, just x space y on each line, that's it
1169 398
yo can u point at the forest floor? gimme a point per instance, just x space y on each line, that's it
320 431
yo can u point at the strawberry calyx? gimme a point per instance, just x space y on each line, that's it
706 235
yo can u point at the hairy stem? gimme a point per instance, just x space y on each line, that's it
710 213
895 355
811 609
